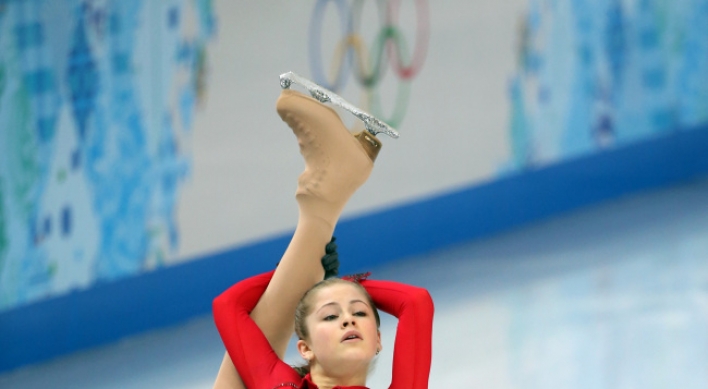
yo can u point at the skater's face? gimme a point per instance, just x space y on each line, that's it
343 333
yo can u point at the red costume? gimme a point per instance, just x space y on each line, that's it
259 366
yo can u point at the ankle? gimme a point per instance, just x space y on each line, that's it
317 211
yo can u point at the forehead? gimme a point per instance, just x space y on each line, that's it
339 292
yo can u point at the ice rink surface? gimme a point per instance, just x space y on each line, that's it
612 296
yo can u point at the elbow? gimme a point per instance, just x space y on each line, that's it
219 305
423 300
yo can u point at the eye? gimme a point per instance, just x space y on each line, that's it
360 313
330 317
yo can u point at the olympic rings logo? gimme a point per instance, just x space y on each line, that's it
368 67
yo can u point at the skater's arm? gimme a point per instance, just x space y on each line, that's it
414 309
257 363
299 269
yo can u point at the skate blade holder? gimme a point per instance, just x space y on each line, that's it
372 125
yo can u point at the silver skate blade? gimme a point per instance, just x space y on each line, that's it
373 125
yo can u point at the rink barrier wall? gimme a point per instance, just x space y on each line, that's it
113 310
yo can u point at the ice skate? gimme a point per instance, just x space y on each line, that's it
372 125
337 163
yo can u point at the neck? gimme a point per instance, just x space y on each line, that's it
325 381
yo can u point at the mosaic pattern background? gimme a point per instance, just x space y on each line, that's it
596 74
96 108
97 104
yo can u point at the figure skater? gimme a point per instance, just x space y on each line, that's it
335 320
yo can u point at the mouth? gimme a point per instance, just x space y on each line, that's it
352 336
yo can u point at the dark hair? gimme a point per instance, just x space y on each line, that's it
304 308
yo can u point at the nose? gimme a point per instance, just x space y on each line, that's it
348 320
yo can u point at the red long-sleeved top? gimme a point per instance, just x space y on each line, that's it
259 365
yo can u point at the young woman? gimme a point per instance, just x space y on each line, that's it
336 321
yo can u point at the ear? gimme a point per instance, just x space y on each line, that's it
379 346
305 351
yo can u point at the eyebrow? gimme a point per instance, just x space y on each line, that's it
350 303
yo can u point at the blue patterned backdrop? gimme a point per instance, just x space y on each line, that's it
97 100
96 108
593 74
